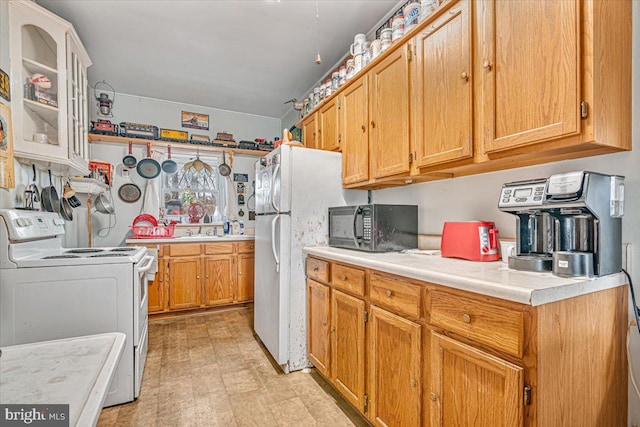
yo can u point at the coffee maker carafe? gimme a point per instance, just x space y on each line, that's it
570 224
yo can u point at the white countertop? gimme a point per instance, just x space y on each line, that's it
74 371
192 239
488 278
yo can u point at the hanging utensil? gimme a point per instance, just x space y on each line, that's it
70 194
224 169
129 160
129 193
103 204
32 192
169 166
148 168
49 197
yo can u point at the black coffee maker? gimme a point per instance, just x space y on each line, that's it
570 224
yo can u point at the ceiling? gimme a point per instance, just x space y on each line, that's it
248 56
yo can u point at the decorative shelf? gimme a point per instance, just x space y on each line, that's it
88 185
37 67
175 146
46 112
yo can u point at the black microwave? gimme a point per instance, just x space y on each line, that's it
374 228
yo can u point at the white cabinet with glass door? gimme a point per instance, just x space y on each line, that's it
50 124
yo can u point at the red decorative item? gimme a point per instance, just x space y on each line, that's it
196 213
145 220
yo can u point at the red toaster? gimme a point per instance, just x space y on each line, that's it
472 240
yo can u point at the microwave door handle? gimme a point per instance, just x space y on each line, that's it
273 188
148 265
355 231
273 242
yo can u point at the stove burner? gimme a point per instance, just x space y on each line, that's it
107 255
60 256
123 249
84 251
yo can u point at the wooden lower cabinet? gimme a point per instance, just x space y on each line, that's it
318 325
469 387
218 280
246 267
155 292
395 357
184 282
347 347
410 353
194 275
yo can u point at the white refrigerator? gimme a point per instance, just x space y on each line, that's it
295 186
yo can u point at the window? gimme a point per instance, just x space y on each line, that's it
195 193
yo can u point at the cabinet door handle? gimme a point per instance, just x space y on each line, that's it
239 273
389 294
344 278
324 323
373 124
466 318
364 128
206 277
414 383
486 64
433 396
464 76
333 329
198 277
251 247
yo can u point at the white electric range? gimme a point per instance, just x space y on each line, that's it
49 292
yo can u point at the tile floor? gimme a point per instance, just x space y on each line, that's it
209 370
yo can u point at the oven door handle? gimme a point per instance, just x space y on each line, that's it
148 265
356 239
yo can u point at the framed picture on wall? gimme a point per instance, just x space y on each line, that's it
195 120
4 86
7 174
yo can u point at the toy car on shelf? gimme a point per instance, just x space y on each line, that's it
137 130
171 135
104 127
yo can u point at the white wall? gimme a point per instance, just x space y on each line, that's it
167 114
476 197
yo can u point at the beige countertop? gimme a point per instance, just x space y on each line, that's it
494 279
198 238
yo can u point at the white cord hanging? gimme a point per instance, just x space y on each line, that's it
318 58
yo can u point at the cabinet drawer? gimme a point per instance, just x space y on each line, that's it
318 269
498 327
348 278
218 248
184 249
401 297
246 247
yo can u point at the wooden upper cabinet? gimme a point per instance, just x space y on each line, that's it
328 125
469 387
219 280
395 357
246 265
318 305
531 72
443 87
389 114
184 282
310 131
354 125
347 347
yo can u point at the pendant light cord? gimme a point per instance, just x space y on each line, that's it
318 58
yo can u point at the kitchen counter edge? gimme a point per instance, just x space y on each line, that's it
493 279
190 239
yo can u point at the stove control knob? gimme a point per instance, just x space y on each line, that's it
58 221
21 222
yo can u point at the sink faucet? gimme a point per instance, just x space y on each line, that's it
200 230
189 232
211 232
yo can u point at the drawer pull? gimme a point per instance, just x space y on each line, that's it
324 323
198 277
486 65
344 278
414 383
389 293
251 247
207 276
433 396
466 318
333 329
316 268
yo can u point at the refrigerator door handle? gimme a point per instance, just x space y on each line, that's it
357 211
273 188
273 242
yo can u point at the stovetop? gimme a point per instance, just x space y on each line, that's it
25 256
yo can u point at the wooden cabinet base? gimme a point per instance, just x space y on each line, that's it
198 311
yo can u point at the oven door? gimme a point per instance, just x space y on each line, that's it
141 292
346 227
